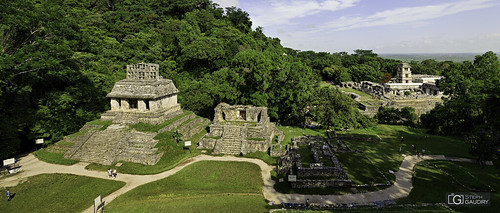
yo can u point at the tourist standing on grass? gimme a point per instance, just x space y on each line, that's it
114 173
109 173
8 195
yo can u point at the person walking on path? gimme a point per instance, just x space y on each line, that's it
109 173
8 195
423 151
114 173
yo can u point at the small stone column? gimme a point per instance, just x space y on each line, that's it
141 105
115 104
124 104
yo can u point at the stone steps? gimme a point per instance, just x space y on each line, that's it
231 132
194 127
231 146
115 144
176 123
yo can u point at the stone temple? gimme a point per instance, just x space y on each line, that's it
240 129
144 96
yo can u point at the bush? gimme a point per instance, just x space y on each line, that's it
389 115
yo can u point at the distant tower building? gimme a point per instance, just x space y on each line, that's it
404 73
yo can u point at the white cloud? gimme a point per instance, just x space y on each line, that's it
282 12
227 3
407 14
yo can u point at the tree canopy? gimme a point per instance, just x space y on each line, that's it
59 59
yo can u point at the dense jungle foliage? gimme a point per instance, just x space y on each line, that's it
59 59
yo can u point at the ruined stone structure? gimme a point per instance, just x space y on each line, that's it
417 91
144 96
114 144
240 129
326 167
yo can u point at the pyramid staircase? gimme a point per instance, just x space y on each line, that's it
230 143
119 143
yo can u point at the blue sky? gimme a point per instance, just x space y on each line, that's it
385 26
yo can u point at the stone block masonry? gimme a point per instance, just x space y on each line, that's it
240 129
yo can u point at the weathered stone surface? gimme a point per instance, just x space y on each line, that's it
333 175
143 97
115 144
240 130
176 123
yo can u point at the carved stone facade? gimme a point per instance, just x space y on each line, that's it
143 97
240 129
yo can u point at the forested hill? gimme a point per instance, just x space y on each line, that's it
59 59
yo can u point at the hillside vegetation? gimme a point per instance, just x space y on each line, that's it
59 59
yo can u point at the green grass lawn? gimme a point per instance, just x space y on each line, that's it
263 156
363 96
306 156
359 169
431 184
385 154
292 131
51 157
206 186
57 193
391 140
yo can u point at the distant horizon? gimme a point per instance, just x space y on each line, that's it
385 26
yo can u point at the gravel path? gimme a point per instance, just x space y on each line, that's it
401 188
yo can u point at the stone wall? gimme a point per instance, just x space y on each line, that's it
130 117
332 172
301 184
240 129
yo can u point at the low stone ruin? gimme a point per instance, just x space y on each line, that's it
326 170
240 129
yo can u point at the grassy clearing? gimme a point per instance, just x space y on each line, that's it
431 184
385 154
51 157
306 156
359 168
364 97
57 193
263 156
391 140
144 127
206 186
291 131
